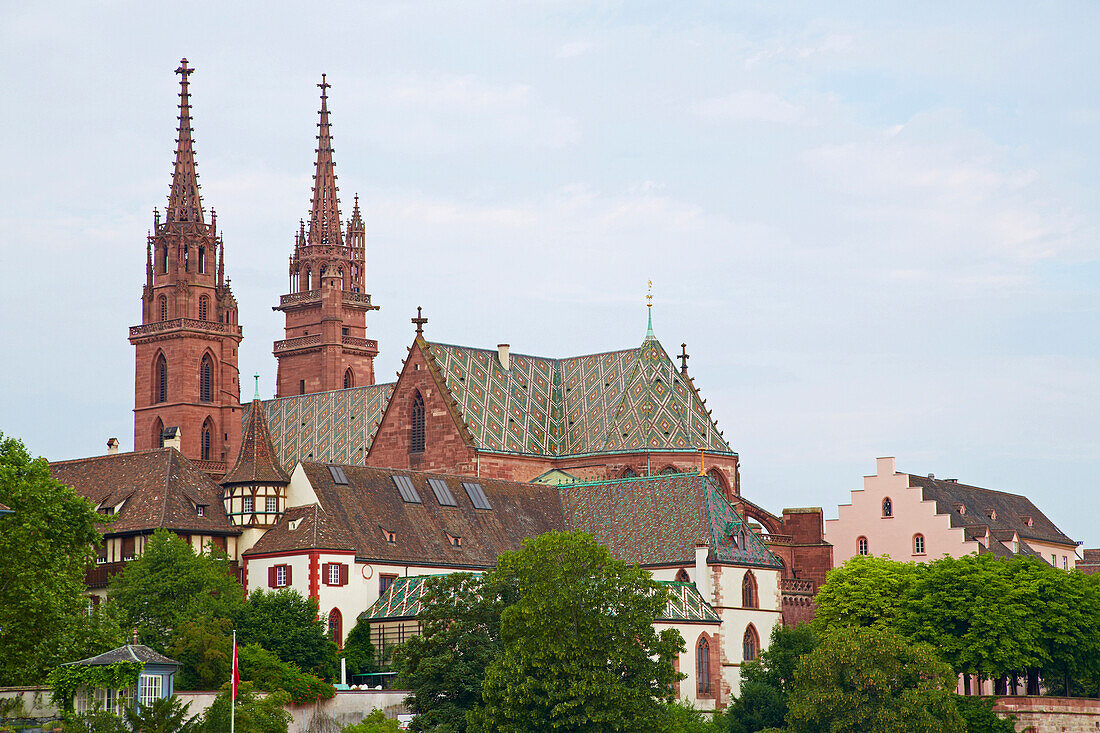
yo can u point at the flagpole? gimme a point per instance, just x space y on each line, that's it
233 687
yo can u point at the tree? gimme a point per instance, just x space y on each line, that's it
864 591
758 706
376 722
254 714
580 651
445 664
977 713
269 673
287 624
868 680
170 584
204 649
358 651
766 680
46 546
165 715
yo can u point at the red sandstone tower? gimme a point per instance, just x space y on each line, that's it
186 375
326 346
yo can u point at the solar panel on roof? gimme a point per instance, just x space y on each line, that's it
338 476
442 492
477 495
407 490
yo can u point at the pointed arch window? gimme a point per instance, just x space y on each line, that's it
682 576
160 379
702 666
206 379
416 439
349 379
668 470
162 255
204 303
202 261
887 508
751 644
158 433
630 473
335 627
207 439
162 308
749 597
918 544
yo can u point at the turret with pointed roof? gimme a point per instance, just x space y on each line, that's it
326 347
255 488
186 345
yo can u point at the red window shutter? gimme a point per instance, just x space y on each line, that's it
271 577
288 580
324 573
343 574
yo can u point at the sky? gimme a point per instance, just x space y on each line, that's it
875 225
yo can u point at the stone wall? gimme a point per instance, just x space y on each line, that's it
1050 714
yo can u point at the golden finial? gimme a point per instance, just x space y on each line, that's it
702 468
649 295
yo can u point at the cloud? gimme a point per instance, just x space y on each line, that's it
751 106
573 49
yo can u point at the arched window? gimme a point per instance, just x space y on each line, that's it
702 666
918 544
349 379
202 261
207 438
160 379
162 255
162 306
887 507
416 440
158 433
206 379
861 546
748 591
682 576
751 644
335 627
629 473
715 475
203 303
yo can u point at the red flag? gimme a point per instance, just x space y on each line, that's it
236 672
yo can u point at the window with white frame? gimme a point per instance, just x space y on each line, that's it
861 545
1065 562
149 688
272 504
280 576
918 544
248 504
334 574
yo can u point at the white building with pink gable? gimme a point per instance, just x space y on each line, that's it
917 518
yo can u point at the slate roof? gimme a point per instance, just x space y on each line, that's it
256 461
355 517
160 488
660 519
1011 511
329 427
128 653
402 601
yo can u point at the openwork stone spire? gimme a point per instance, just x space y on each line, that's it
324 221
184 202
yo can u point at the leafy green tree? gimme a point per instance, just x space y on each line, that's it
165 715
46 546
683 718
757 707
358 650
204 649
864 591
93 721
376 722
267 672
170 584
254 714
869 680
289 625
580 651
775 666
977 713
445 664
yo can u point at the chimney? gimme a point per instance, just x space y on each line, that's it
702 577
112 446
503 357
172 437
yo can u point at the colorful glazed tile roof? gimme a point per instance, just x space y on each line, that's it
256 461
627 400
661 519
402 601
328 427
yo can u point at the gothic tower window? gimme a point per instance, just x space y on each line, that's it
163 257
160 379
702 666
158 433
207 438
748 591
751 643
349 379
206 379
202 261
416 440
203 307
162 305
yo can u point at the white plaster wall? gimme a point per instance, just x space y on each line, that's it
687 660
1060 552
299 574
736 619
893 535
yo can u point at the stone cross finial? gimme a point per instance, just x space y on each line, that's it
419 321
683 357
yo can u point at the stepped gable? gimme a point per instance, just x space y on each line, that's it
159 488
329 427
659 520
256 462
1011 510
370 505
633 399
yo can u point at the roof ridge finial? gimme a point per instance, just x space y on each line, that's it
324 221
184 201
420 320
649 307
257 395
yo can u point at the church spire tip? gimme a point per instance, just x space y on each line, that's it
184 201
649 307
324 222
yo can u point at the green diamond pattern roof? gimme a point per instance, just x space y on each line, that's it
686 604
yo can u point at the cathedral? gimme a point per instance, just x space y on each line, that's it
350 490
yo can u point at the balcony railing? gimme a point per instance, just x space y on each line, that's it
306 296
778 539
309 297
796 587
189 324
359 343
97 576
300 342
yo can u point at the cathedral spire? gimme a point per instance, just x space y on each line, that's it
184 202
324 220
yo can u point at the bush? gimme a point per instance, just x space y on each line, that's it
376 722
253 714
267 672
